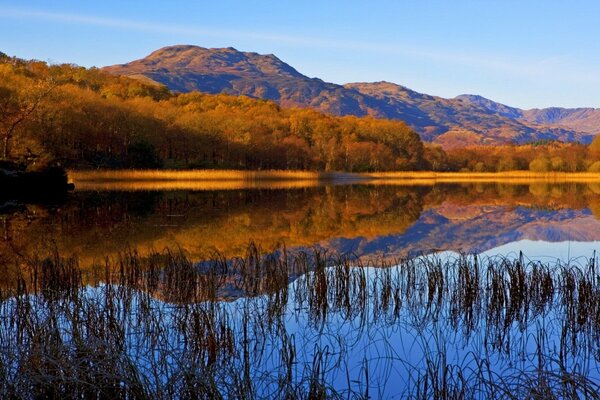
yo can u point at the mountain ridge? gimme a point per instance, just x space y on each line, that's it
184 68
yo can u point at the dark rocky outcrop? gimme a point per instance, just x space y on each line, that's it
18 184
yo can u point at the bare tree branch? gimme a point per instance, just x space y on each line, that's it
23 108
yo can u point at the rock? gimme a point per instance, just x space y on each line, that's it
16 183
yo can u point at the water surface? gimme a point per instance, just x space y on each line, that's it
367 220
417 316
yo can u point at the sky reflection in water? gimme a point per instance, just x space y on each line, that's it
396 339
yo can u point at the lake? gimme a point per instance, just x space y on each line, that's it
366 220
306 290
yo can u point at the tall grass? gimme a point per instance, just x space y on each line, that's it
192 175
193 185
300 325
253 175
507 176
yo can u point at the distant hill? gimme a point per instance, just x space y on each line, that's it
437 119
585 120
186 68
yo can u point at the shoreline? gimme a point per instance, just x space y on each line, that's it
400 177
47 182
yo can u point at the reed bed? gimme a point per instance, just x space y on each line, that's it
133 180
192 175
193 185
508 176
298 325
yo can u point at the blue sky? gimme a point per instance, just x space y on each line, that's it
522 53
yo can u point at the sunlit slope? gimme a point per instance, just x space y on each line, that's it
187 68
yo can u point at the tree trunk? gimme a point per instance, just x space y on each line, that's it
5 150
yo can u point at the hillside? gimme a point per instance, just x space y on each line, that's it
585 120
186 68
189 68
86 118
435 118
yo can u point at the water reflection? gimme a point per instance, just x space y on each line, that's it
368 220
120 320
428 327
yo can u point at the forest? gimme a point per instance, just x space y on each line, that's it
84 118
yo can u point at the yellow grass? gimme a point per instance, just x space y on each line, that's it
235 179
424 177
190 175
197 185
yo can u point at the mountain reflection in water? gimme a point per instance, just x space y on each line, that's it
367 220
87 283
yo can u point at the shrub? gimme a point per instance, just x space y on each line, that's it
540 164
594 167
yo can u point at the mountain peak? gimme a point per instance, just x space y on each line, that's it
477 99
188 67
471 97
181 56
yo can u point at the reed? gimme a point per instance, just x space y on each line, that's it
192 175
558 176
193 185
299 324
198 180
508 177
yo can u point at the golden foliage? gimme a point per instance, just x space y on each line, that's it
93 119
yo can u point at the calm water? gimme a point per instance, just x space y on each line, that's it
365 220
387 332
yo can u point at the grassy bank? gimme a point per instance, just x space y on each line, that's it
194 185
238 179
193 175
134 180
507 176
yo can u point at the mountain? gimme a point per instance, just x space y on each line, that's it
492 106
459 121
188 68
585 120
466 119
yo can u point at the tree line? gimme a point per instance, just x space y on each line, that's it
85 118
537 157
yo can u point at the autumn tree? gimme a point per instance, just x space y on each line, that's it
17 105
540 164
99 120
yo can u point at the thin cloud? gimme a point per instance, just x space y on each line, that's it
131 25
532 69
